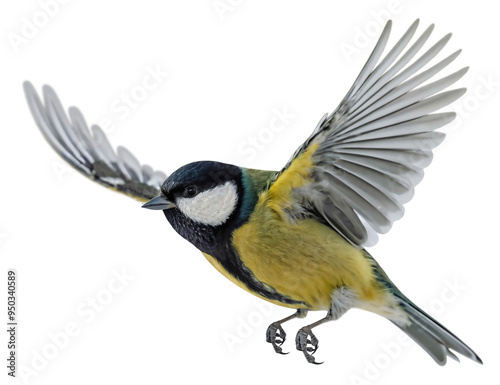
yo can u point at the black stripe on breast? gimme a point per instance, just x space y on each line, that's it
229 259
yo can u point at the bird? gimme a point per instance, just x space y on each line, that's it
297 237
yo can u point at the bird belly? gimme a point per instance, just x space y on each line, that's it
305 261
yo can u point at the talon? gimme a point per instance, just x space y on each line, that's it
301 339
278 349
312 360
276 336
307 342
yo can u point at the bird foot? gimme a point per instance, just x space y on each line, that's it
307 343
276 336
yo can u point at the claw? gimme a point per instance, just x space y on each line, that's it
312 360
307 343
276 336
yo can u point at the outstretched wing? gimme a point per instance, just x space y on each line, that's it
89 151
366 157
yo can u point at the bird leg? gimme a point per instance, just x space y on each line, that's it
305 341
275 334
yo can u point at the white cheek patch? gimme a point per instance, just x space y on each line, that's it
212 207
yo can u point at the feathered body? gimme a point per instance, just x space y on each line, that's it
289 261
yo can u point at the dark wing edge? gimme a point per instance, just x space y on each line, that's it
88 150
372 149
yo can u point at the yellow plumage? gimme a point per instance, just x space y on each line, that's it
304 260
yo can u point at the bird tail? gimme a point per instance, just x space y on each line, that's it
433 337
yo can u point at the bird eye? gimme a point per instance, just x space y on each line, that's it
190 191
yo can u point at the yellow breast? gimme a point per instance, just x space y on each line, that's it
304 260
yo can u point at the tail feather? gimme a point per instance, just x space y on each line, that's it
433 337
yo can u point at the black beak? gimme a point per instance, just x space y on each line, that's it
158 203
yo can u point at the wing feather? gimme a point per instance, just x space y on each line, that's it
372 149
89 151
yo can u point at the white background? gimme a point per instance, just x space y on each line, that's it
228 69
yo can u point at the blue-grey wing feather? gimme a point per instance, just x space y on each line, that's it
372 149
89 151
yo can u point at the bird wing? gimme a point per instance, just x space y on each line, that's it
365 158
89 151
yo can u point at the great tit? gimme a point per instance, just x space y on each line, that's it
297 237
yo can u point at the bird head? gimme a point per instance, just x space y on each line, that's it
201 200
